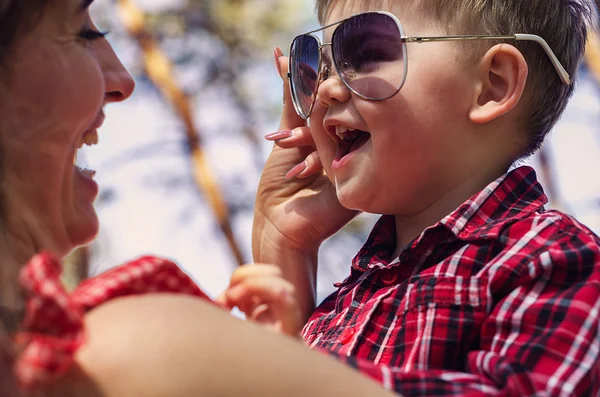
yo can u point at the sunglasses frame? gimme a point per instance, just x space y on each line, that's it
560 70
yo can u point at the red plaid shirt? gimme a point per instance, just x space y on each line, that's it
504 300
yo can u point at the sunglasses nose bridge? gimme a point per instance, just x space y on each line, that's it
323 54
322 51
322 47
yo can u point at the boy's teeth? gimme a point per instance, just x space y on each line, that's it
345 132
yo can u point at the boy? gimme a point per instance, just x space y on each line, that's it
466 284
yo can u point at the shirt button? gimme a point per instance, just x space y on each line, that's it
389 278
347 335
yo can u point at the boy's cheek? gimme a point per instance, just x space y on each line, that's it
326 147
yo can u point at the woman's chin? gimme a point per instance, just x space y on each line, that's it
83 228
81 219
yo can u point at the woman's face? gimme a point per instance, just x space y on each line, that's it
60 75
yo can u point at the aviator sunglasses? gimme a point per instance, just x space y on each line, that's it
368 53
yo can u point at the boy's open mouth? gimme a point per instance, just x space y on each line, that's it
349 140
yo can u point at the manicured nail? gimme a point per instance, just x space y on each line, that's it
277 53
276 136
297 170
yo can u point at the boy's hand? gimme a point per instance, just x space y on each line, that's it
261 293
296 204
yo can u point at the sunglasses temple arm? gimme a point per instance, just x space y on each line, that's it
564 75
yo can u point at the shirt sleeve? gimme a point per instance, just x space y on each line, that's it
540 339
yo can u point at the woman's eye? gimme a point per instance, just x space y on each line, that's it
91 34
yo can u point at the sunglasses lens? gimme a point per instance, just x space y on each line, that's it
304 62
369 55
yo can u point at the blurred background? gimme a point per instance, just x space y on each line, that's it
179 162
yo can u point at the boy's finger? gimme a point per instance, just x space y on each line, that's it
289 117
283 319
221 300
262 314
248 304
255 290
253 270
278 303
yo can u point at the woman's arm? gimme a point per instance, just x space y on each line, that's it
171 345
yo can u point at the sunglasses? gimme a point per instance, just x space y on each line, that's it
368 53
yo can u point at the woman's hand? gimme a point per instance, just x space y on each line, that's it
264 296
296 204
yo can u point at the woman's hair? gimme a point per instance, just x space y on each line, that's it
16 18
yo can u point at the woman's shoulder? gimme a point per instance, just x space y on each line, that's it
135 343
138 345
55 326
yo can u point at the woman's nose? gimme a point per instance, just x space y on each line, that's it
119 83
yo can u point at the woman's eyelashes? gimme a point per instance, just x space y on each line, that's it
89 34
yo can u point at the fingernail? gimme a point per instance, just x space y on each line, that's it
275 136
297 170
277 53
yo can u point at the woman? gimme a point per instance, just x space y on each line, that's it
57 73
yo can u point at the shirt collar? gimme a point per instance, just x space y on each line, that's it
515 195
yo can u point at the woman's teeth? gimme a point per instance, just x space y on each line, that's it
87 172
89 138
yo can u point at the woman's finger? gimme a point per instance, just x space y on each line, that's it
289 117
300 136
312 167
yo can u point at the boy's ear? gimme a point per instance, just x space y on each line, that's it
503 74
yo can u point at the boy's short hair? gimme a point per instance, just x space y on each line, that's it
562 23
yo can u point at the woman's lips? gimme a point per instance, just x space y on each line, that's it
86 177
98 122
89 138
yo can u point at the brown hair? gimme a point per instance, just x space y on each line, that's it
16 18
562 23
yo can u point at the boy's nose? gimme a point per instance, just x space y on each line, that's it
332 91
119 83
